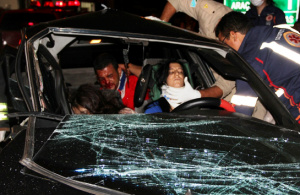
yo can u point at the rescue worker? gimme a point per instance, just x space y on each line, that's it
263 12
208 13
111 76
273 52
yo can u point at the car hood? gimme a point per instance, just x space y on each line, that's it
169 154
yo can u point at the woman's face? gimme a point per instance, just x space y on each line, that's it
176 75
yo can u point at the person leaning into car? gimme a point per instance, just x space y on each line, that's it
273 52
208 13
111 76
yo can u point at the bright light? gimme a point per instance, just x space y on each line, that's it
48 4
3 117
35 3
30 23
3 107
60 4
95 41
244 100
74 3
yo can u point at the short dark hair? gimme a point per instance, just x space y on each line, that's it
103 60
233 21
163 71
97 101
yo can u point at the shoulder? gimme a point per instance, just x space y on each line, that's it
274 9
132 78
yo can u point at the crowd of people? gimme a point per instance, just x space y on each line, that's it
253 35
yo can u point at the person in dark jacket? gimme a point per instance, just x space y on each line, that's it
263 12
273 52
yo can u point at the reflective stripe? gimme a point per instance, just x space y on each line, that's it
283 51
3 107
244 100
285 26
279 92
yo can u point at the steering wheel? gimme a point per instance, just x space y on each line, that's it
205 103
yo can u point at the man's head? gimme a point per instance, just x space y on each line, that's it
107 71
232 29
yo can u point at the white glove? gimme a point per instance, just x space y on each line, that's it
177 96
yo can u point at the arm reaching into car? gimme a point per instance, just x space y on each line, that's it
168 12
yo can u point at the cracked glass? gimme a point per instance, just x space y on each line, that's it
169 154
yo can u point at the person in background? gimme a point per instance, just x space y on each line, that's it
171 76
273 52
88 99
111 76
263 12
206 12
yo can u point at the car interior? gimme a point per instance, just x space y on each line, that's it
62 69
63 62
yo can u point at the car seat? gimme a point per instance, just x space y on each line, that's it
147 80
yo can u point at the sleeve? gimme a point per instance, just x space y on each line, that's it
175 4
225 85
185 6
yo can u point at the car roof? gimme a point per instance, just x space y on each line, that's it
122 22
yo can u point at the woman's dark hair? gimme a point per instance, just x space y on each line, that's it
97 101
163 71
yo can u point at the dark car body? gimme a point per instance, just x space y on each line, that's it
194 151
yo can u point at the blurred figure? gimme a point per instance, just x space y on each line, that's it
171 77
88 99
263 12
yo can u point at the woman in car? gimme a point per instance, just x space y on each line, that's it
88 99
171 77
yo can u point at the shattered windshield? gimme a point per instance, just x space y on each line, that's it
165 154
